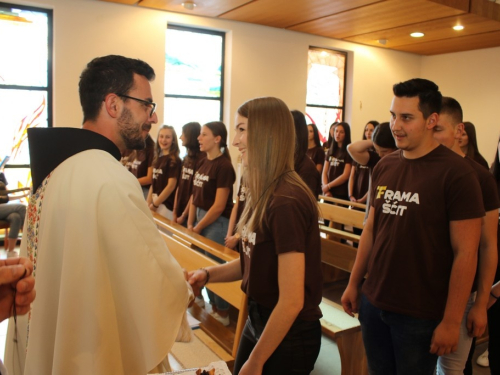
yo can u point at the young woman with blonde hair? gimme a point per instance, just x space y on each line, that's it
166 170
280 258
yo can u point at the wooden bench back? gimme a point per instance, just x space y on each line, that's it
181 243
342 215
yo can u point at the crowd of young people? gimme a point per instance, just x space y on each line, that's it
274 224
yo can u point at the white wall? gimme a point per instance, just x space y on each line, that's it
260 60
472 78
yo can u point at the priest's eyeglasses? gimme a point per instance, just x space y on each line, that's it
145 102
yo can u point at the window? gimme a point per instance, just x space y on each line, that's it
25 83
194 76
325 88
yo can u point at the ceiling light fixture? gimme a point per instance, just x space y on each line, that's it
382 41
189 5
417 35
458 27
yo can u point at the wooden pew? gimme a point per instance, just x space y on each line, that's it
181 244
335 323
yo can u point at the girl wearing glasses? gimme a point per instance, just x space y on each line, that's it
280 257
166 169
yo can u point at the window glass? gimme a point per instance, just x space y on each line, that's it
325 88
25 84
194 77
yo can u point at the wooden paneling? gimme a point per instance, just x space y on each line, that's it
362 21
433 30
457 4
466 43
379 16
207 8
287 13
485 8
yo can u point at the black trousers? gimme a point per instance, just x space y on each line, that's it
296 354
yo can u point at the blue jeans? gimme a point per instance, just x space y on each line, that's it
216 232
14 213
396 343
296 354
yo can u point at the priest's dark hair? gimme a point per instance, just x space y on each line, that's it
105 75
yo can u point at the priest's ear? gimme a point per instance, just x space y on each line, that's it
112 105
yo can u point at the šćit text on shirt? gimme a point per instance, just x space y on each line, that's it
156 172
199 179
394 200
187 173
248 238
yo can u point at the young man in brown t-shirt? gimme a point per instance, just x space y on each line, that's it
447 132
419 244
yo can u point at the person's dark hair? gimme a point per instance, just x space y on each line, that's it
382 136
219 129
317 142
429 96
301 136
374 123
106 75
334 147
472 149
191 132
452 108
329 141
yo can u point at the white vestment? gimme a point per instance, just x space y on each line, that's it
110 296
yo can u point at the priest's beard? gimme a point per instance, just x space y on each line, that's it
130 131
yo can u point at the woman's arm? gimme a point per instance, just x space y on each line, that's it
359 151
319 167
222 273
192 214
342 178
231 240
350 185
171 184
147 179
324 179
174 211
185 214
291 279
221 196
149 199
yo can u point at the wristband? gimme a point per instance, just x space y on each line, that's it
207 273
495 297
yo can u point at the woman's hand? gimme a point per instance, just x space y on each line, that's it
231 242
197 279
325 188
250 368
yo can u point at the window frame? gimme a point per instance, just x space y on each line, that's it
223 53
50 50
343 107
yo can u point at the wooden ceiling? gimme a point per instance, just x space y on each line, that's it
367 22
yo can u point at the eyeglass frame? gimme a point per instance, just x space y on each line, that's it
148 103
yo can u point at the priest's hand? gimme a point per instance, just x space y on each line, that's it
16 280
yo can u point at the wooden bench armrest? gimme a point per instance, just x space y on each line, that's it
342 215
340 233
189 236
342 202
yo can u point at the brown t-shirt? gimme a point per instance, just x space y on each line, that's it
414 201
242 197
166 166
185 186
290 224
317 155
210 176
489 194
143 159
309 174
361 180
336 167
